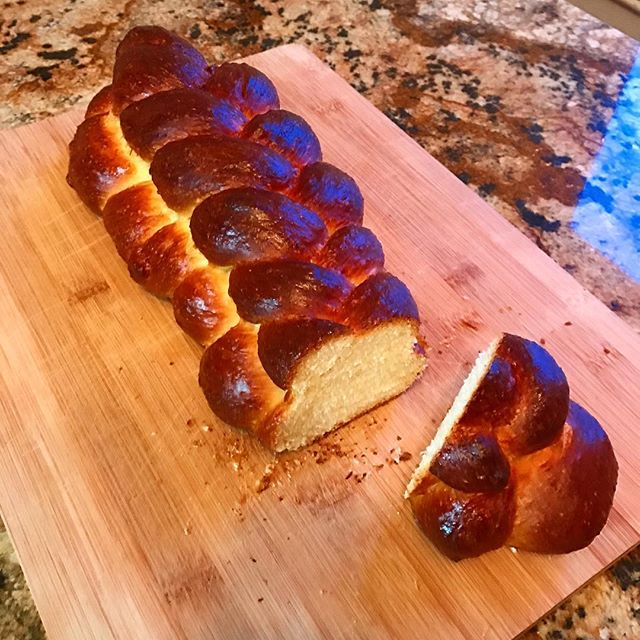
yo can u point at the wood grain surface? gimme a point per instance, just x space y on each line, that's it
136 514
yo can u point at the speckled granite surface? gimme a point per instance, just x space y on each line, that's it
534 104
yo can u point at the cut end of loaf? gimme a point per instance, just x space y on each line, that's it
506 466
465 395
345 377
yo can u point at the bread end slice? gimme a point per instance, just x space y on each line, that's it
465 395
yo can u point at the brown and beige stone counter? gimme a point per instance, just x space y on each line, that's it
533 103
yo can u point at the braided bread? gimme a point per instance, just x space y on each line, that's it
219 200
514 462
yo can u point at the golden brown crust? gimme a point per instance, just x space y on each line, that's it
133 215
150 60
187 171
247 225
565 491
100 104
542 391
234 382
98 165
245 87
331 193
474 463
286 133
167 116
464 525
202 306
280 289
379 298
495 400
354 251
163 261
511 450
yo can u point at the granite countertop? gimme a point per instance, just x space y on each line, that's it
534 104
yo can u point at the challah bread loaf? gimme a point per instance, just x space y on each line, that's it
219 200
514 462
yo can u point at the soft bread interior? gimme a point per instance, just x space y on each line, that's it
345 377
466 393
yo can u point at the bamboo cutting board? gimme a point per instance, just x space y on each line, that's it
136 514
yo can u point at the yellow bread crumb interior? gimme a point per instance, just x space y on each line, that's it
344 378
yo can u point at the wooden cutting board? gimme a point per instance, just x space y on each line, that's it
136 514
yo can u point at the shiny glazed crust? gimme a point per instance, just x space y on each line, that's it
518 464
219 200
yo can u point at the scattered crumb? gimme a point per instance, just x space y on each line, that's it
377 467
197 443
265 481
471 324
120 368
398 438
190 422
543 341
513 550
606 351
187 530
253 559
568 323
348 475
206 427
405 455
153 433
260 599
171 363
324 451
